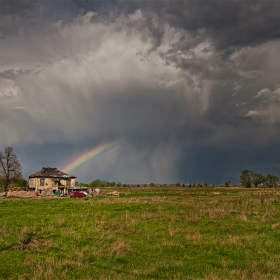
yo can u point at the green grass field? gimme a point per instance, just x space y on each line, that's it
146 233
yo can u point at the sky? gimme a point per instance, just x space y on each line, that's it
186 90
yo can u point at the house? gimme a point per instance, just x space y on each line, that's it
51 180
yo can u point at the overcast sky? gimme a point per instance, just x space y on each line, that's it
191 87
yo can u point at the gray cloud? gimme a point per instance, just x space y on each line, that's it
16 15
229 24
191 87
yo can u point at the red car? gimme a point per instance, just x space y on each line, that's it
77 194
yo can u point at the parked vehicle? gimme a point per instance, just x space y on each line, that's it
77 194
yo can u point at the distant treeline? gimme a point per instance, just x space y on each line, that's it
103 183
247 179
250 178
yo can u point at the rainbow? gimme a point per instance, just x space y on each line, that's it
87 155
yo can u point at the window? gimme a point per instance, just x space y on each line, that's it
67 183
42 182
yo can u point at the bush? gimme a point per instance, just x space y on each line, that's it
248 184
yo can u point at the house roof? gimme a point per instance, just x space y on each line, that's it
49 172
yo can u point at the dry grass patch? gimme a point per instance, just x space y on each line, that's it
193 217
238 241
152 216
120 247
194 237
29 239
252 271
52 268
275 226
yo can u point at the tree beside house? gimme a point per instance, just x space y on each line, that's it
10 168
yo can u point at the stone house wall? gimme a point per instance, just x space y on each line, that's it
41 184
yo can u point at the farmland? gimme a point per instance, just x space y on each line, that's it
145 233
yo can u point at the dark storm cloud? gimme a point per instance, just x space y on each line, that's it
12 74
190 86
7 74
16 7
93 5
229 24
15 15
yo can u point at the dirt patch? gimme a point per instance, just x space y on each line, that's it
22 194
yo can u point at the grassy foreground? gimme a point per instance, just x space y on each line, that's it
146 233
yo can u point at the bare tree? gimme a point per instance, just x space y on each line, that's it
10 168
